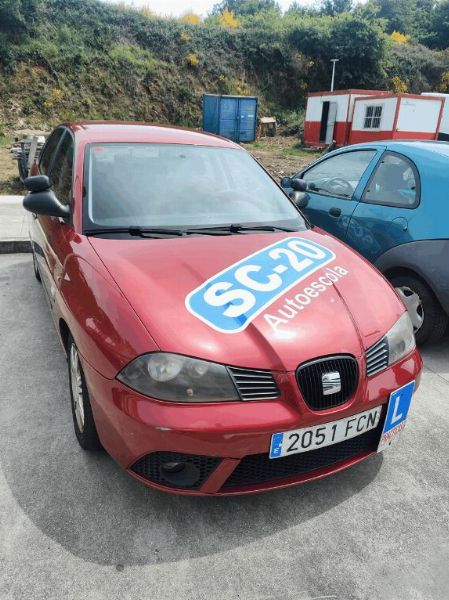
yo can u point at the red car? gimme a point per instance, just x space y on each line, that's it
217 343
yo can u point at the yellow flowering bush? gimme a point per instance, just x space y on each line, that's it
227 19
399 85
185 36
399 38
191 18
192 59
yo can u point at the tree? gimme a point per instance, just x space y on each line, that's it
246 8
410 17
16 15
300 10
439 36
335 7
358 43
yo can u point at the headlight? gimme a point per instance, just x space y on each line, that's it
179 378
401 339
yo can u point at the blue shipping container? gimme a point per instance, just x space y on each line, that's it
233 117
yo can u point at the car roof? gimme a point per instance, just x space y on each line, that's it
408 147
128 132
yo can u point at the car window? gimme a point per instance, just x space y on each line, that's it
181 185
49 150
395 182
61 170
339 175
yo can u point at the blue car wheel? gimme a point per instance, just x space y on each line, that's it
428 318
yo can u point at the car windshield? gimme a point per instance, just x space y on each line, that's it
172 185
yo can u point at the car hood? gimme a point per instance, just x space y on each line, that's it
342 307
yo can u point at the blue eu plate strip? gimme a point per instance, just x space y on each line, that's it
276 445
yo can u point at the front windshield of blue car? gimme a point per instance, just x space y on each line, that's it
173 185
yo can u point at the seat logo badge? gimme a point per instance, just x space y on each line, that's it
331 383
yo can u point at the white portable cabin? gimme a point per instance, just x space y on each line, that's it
329 116
396 116
443 131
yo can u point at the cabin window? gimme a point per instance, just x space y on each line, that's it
373 116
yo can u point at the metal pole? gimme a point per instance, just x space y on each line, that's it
333 61
32 153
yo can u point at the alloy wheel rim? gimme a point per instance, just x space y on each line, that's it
77 387
414 306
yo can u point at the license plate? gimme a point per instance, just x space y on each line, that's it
320 436
397 413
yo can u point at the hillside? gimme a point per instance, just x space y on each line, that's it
68 59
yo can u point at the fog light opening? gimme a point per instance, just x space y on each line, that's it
173 467
180 474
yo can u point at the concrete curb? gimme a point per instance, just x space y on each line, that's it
14 246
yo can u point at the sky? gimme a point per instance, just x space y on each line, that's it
179 7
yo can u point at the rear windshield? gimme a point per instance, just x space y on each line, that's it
149 185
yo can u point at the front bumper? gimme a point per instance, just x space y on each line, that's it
228 443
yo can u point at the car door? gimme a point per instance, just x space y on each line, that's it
389 201
53 231
334 185
38 236
247 119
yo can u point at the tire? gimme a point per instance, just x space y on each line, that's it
83 420
36 269
434 319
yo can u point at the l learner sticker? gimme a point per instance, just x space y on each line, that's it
397 414
230 300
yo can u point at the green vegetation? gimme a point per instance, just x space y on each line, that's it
9 182
283 150
71 59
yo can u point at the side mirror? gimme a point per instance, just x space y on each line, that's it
299 185
301 199
37 183
41 200
286 182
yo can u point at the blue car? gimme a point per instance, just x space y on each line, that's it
390 202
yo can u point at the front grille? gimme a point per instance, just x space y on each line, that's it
253 384
150 467
258 468
309 377
377 357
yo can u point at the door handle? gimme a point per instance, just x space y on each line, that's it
335 212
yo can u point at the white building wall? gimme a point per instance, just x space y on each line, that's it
444 127
352 100
418 115
388 113
314 109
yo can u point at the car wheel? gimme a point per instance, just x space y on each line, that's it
83 420
36 268
428 318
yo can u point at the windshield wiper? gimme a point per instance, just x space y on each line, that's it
155 232
136 231
237 228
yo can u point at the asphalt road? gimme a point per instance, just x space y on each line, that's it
75 526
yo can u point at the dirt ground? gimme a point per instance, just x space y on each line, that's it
9 180
281 156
